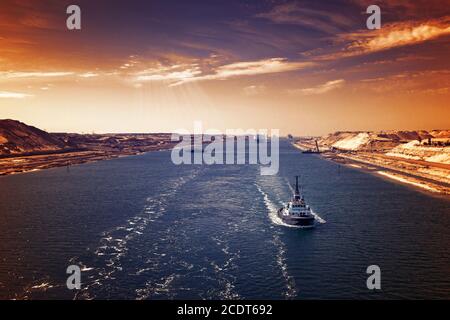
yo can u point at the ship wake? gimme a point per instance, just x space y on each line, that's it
115 244
290 291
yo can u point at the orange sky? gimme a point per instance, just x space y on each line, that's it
301 67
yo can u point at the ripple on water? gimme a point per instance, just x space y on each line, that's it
114 245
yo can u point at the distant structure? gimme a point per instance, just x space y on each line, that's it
311 150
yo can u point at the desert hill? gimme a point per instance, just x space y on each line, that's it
381 141
17 138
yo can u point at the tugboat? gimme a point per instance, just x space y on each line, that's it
297 212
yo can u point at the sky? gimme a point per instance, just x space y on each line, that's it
303 67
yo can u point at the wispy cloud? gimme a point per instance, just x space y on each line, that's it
89 75
13 95
32 74
400 35
390 36
319 89
293 13
180 74
171 73
273 65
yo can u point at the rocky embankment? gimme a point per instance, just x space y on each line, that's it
417 151
419 158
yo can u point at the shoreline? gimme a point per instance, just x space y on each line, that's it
420 184
396 171
403 180
22 164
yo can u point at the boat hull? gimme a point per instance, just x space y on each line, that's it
297 221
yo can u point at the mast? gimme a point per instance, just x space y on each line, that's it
296 186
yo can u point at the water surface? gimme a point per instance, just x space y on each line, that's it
143 228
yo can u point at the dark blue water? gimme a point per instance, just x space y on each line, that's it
143 228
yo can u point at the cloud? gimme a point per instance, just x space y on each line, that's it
328 21
251 68
390 36
180 74
172 72
273 65
176 72
401 35
89 75
13 95
319 89
32 74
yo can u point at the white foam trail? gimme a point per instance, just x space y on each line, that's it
318 218
229 291
39 286
271 208
156 288
113 245
43 286
291 291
